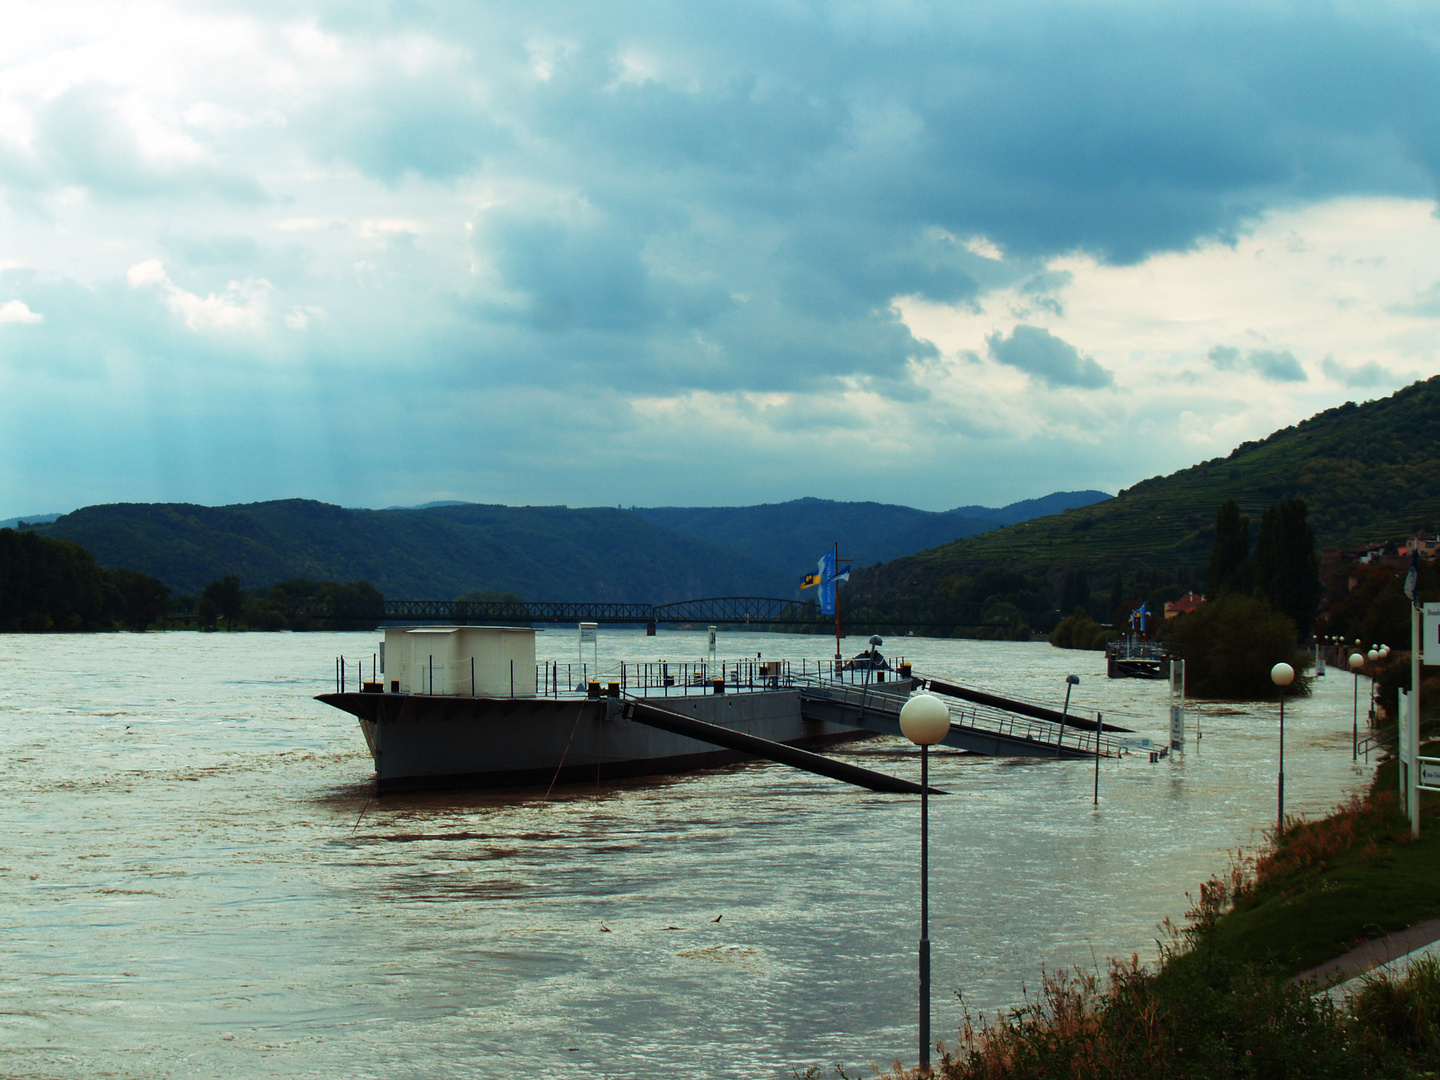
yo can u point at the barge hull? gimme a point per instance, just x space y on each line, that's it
422 741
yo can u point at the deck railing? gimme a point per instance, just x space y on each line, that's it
986 720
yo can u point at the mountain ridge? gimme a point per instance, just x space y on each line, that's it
445 549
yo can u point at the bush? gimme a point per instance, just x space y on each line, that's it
1230 645
1079 631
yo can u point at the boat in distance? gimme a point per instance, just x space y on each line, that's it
469 707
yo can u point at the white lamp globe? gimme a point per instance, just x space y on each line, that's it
1384 652
1356 661
1282 674
925 720
1373 655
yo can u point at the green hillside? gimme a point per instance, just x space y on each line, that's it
539 552
1367 473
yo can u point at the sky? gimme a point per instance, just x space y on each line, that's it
698 253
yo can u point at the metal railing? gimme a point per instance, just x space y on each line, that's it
662 678
985 720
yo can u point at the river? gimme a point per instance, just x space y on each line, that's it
196 881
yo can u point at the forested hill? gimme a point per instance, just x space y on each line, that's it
793 535
538 552
444 550
1367 473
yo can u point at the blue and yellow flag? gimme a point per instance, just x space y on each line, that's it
830 576
809 581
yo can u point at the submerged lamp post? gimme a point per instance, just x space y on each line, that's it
1356 663
1372 656
1282 675
924 720
1071 680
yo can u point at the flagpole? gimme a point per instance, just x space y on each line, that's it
837 600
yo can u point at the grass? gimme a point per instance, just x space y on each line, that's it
1332 884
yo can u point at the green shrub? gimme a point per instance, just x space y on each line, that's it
1229 646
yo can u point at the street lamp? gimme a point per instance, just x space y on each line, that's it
924 720
1282 675
1356 663
1372 656
1070 681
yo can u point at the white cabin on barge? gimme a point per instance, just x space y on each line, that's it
476 661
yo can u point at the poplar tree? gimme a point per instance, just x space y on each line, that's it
1287 569
1230 569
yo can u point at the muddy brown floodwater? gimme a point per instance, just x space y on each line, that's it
195 880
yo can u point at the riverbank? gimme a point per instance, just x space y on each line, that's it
1235 991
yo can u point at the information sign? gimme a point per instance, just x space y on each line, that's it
1430 774
1430 631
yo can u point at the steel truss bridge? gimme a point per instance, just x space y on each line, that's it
718 610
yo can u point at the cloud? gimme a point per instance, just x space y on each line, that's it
1225 357
1048 359
84 138
1364 375
17 311
1277 366
1272 365
481 213
243 306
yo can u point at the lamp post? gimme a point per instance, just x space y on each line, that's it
924 720
1282 675
1356 663
1372 656
1071 680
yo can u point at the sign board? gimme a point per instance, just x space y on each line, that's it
1429 773
1430 632
1177 728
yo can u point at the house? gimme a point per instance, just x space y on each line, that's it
1186 604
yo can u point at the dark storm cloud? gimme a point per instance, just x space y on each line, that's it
442 208
1048 359
819 165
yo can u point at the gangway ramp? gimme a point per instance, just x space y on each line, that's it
644 712
976 727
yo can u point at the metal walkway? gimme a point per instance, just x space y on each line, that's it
644 712
979 728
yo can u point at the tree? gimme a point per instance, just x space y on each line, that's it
49 584
226 595
1076 590
1230 645
146 599
1287 569
208 612
1230 569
